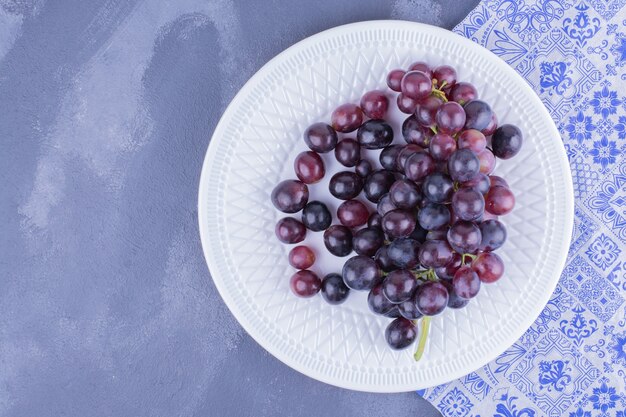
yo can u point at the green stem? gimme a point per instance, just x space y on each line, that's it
469 255
434 129
421 344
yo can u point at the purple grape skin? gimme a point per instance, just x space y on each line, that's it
348 152
418 166
437 187
442 146
431 298
463 165
289 230
419 233
506 141
445 73
338 240
463 92
466 283
368 241
377 184
398 223
375 134
434 216
408 309
385 205
363 168
375 221
320 137
447 272
422 67
383 260
413 132
416 85
435 253
468 204
361 273
450 118
477 115
480 182
316 216
345 185
290 196
394 78
388 157
400 333
464 237
334 290
493 235
404 194
378 303
399 285
406 152
454 301
403 253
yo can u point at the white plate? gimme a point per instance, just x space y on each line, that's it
253 148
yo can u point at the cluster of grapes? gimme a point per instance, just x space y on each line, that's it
429 243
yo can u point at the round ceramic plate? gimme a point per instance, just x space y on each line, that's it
253 148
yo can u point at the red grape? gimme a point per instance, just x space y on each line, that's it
421 66
290 196
450 117
347 118
301 257
348 152
320 137
487 161
305 284
289 230
444 73
414 133
466 283
399 285
463 92
352 213
400 333
309 167
395 78
431 298
375 104
473 140
398 223
416 85
406 104
489 267
426 110
419 165
442 146
499 200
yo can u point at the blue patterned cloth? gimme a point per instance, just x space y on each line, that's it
572 361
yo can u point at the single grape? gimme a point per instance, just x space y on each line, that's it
473 140
346 118
394 78
389 156
352 213
498 181
414 132
309 167
377 184
375 104
426 110
368 241
433 216
463 165
375 134
305 284
506 141
345 185
316 216
375 221
361 273
421 66
408 309
431 298
385 205
406 104
463 92
487 162
435 253
378 303
442 146
418 166
464 237
400 333
334 290
468 203
383 260
338 240
478 115
466 283
437 187
444 74
348 152
301 257
363 168
499 200
450 118
493 235
289 230
489 267
405 153
447 272
320 137
416 85
454 301
404 253
290 196
404 194
398 223
492 126
399 285
480 182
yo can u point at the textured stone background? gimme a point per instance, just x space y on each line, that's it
106 110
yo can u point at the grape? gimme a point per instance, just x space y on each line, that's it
334 290
487 162
435 253
489 267
433 216
375 134
437 187
492 126
375 104
398 223
478 115
394 79
419 233
338 240
431 298
463 92
389 156
399 285
316 216
468 204
309 167
305 284
361 273
493 235
363 168
426 110
437 234
466 283
489 216
375 221
464 237
378 303
506 141
448 271
301 257
415 133
352 213
404 253
419 165
368 241
480 182
473 140
499 200
400 333
385 205
454 301
442 146
348 152
345 185
320 137
416 85
450 118
406 104
290 196
289 230
495 181
463 165
422 67
408 309
383 260
444 73
405 153
404 194
346 118
377 184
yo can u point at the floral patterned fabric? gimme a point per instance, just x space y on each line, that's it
572 361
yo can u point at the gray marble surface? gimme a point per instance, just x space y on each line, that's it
106 109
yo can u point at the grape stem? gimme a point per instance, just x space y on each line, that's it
429 274
421 344
469 255
434 129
